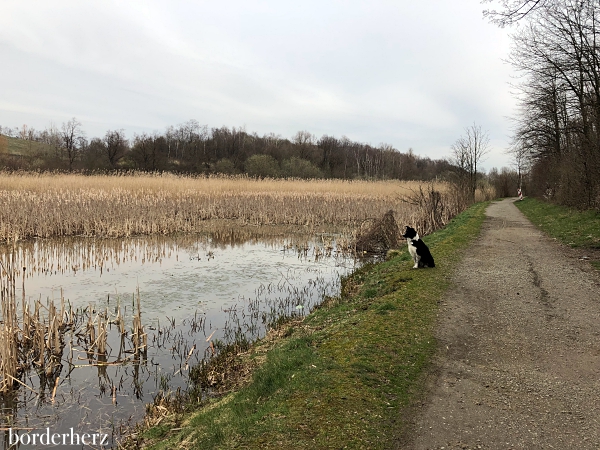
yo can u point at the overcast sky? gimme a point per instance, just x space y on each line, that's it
410 73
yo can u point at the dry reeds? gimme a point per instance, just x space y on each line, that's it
9 333
46 205
138 335
431 208
28 338
379 235
34 336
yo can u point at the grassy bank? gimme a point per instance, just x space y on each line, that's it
572 227
23 148
345 376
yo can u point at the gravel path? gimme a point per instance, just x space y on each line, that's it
519 334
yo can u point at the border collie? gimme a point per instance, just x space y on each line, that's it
418 250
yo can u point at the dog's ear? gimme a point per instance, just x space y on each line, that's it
409 232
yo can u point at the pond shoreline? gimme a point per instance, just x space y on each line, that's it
194 294
346 375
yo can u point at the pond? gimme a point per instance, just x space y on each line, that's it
189 291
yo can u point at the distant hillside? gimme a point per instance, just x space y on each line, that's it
17 154
23 148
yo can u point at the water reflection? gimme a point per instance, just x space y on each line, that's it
190 291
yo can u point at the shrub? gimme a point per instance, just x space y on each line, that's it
300 168
262 166
224 166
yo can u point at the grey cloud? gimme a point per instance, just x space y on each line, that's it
411 74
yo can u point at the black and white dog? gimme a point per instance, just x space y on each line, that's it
418 250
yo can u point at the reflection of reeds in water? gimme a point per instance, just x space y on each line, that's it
54 340
73 255
34 335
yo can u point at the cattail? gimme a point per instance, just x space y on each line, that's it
116 206
55 387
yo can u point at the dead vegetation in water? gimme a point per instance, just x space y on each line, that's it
34 336
378 236
30 336
90 340
43 345
225 369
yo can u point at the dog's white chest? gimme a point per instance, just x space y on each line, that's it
412 249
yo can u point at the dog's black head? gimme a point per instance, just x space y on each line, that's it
409 233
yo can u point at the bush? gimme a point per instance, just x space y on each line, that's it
262 166
224 166
300 168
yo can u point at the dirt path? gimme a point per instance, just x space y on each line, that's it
519 359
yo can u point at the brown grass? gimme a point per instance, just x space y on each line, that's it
46 205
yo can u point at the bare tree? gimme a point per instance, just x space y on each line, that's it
515 10
51 137
23 132
467 152
149 151
557 55
304 142
520 161
115 146
73 140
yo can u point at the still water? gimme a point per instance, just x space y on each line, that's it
192 291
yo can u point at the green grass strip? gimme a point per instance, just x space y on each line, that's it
572 227
346 376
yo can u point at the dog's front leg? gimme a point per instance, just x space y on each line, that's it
417 259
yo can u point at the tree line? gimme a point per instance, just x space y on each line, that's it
193 148
556 51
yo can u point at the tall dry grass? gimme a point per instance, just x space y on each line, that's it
46 205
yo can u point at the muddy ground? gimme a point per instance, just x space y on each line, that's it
519 359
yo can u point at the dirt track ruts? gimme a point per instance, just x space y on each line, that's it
518 365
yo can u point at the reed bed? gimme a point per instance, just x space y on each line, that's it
35 336
47 205
30 335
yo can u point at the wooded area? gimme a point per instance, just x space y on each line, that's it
194 148
557 130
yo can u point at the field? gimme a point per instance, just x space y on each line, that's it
22 148
52 205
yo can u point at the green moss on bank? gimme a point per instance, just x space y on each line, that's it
344 376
